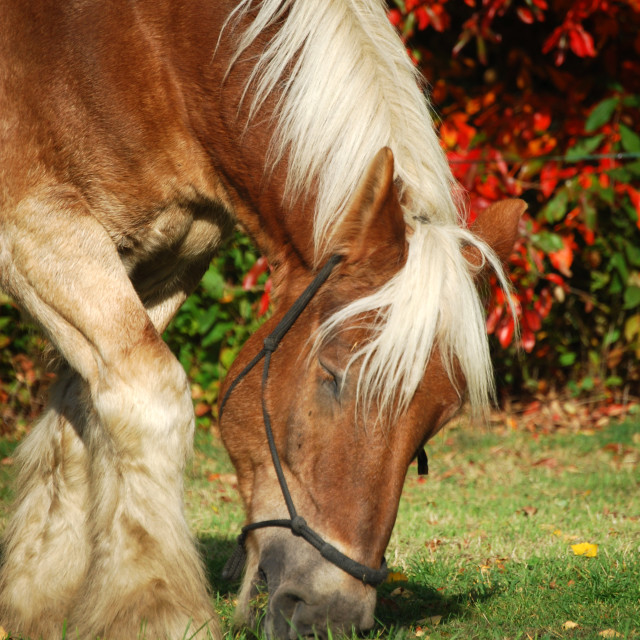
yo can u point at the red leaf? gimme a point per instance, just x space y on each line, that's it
423 18
505 332
548 178
532 320
259 267
528 340
395 17
265 300
555 278
525 15
581 42
553 40
563 258
634 196
541 120
492 320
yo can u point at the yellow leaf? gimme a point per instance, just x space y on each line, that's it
585 549
610 633
557 532
396 576
3 634
569 624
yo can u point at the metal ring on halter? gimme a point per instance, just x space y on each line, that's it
296 523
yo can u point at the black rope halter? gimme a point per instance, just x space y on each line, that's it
296 523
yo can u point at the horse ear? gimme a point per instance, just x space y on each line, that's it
374 217
497 225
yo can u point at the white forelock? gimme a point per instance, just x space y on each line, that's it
346 89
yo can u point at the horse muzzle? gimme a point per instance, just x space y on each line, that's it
308 595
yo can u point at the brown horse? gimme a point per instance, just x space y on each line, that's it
133 135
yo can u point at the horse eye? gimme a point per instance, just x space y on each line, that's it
331 379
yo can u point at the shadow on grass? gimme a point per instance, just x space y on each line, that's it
215 551
411 604
400 604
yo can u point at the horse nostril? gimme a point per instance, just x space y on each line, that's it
313 636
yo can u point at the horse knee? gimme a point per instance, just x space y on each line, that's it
144 402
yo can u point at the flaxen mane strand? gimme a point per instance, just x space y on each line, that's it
350 89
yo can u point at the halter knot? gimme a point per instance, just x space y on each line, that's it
298 525
270 343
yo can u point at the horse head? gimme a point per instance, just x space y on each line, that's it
344 452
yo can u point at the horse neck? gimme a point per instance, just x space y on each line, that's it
215 100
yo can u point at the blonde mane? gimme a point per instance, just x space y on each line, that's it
347 88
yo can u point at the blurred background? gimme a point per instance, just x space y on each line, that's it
537 99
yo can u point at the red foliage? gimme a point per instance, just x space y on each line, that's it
542 109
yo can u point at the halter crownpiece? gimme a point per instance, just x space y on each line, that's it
296 523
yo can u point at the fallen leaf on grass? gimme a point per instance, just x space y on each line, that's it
3 634
396 576
569 624
549 463
224 478
201 409
6 462
529 511
432 545
610 633
585 549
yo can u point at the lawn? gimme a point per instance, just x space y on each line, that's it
490 544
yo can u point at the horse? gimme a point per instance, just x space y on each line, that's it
134 135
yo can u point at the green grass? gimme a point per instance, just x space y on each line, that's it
482 547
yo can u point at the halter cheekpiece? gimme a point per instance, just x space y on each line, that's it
296 523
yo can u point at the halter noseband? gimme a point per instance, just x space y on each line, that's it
296 523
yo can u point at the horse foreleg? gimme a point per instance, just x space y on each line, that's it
40 575
144 577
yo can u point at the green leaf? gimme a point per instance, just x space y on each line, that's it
587 384
547 241
556 208
217 333
590 214
227 356
583 147
632 327
632 297
611 337
567 359
620 175
618 262
213 283
630 139
631 101
601 114
599 280
633 254
607 194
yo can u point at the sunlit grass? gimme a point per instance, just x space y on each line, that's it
482 547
